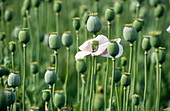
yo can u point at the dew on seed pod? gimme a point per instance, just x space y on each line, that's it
23 35
50 76
155 39
76 23
126 79
146 43
109 14
93 23
129 33
136 99
14 79
81 66
54 41
59 98
113 48
46 95
34 67
98 102
57 6
67 38
10 96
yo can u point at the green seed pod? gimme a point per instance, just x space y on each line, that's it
52 58
59 98
123 61
109 14
14 79
2 70
66 109
117 75
3 100
67 38
162 55
129 33
153 58
46 95
16 31
81 66
46 39
23 11
138 24
8 15
50 76
57 6
125 79
17 106
95 45
41 34
133 6
34 67
159 10
2 36
12 46
54 41
155 38
27 4
98 102
136 99
93 23
85 17
36 3
118 7
34 109
76 23
113 48
154 3
23 35
146 43
10 96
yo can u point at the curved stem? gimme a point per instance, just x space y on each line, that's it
23 87
112 84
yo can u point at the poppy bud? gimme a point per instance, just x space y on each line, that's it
85 17
123 61
12 46
93 23
66 109
57 6
8 15
138 24
109 14
10 96
118 7
159 10
59 98
162 55
36 3
46 95
34 109
67 38
34 67
23 35
2 36
50 76
154 3
146 43
3 99
16 31
155 38
117 75
125 79
81 66
98 102
27 4
129 33
136 99
76 23
54 41
113 48
14 79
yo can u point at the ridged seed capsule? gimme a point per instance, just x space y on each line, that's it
46 95
34 109
118 7
34 67
8 15
138 24
155 39
162 55
57 6
123 61
113 48
125 79
76 23
50 76
3 100
14 79
81 66
109 14
59 98
12 46
67 38
54 41
146 43
2 36
159 10
23 35
117 75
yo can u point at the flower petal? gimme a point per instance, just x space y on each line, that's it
168 29
101 49
86 46
102 39
105 54
120 51
82 54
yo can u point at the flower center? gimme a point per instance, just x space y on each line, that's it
95 45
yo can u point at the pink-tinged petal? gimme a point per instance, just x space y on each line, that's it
82 54
86 46
168 29
118 40
120 51
101 49
105 54
101 38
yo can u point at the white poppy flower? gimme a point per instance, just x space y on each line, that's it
168 29
86 48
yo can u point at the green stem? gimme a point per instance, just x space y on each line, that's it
56 62
160 80
2 16
86 32
82 98
66 79
24 22
156 23
46 106
117 97
35 88
97 6
12 59
157 80
51 89
117 25
78 87
112 84
77 41
105 85
124 99
57 22
145 87
23 87
130 58
109 29
137 10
